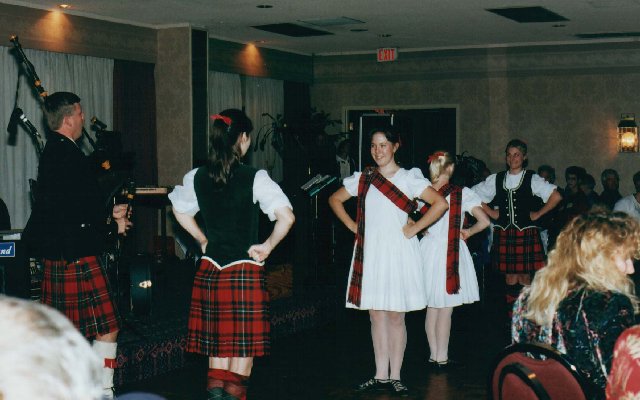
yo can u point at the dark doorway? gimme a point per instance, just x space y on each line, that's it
422 132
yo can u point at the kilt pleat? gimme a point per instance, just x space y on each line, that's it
229 314
517 251
80 290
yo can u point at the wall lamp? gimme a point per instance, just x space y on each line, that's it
627 134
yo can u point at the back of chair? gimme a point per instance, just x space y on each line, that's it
521 374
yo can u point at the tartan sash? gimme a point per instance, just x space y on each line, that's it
453 240
371 176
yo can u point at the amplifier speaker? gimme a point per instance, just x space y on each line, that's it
15 276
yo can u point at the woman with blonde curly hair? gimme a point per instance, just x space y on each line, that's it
583 299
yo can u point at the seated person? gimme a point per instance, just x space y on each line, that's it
631 204
583 299
44 356
574 201
624 379
587 185
611 184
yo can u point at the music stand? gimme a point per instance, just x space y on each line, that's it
313 187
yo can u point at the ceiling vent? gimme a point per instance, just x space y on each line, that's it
293 30
607 35
338 21
528 14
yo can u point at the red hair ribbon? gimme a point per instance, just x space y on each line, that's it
224 119
435 156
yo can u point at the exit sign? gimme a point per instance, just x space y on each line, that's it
387 54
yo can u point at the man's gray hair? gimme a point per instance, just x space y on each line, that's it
43 355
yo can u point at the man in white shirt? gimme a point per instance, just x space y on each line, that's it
631 204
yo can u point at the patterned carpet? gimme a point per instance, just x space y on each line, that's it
153 344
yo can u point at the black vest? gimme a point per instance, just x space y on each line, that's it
230 216
515 204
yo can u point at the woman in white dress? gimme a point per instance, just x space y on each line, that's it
448 284
386 276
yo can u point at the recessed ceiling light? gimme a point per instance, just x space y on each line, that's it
384 35
264 6
64 6
358 30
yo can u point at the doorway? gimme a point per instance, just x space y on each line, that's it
422 131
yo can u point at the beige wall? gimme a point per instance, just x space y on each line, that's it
64 33
564 101
250 60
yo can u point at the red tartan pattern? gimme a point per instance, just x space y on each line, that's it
371 176
453 238
517 251
229 314
80 290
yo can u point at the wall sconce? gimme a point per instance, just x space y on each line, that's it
627 134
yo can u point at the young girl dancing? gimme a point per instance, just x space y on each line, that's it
386 274
450 274
229 315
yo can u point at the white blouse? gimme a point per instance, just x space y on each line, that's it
265 191
487 189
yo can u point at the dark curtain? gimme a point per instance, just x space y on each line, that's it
297 109
134 116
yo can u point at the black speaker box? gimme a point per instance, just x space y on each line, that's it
15 276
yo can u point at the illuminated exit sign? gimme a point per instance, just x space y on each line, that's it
387 54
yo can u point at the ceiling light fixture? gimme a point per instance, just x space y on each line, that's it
64 6
384 35
264 6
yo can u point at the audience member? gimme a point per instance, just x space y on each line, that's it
574 201
611 184
624 378
584 298
346 165
631 204
548 173
44 356
587 186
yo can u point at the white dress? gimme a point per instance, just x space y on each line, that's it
434 250
393 271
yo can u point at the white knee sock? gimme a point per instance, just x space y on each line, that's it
106 351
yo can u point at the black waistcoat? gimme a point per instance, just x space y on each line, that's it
515 204
230 216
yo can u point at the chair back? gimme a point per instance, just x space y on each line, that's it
525 371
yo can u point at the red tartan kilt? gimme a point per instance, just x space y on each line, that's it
229 315
517 251
80 291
